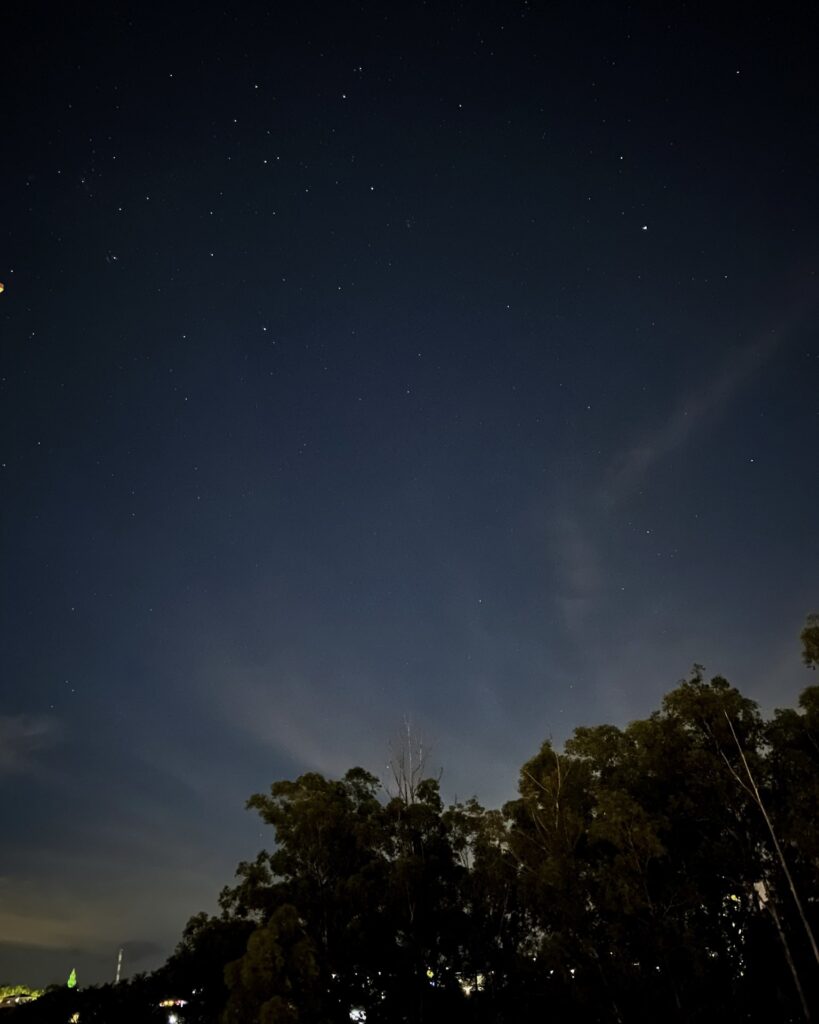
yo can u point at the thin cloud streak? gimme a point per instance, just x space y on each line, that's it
577 567
628 468
22 738
287 712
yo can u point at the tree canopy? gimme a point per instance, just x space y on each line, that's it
662 870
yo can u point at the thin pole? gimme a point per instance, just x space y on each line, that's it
786 871
768 904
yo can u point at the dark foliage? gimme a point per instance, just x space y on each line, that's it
651 872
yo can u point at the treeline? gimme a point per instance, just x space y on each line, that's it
666 870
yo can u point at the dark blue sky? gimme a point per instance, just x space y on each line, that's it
456 362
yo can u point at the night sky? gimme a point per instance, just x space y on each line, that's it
451 362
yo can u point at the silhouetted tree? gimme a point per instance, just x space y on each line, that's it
810 641
666 869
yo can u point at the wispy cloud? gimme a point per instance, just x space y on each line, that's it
577 527
577 569
287 711
630 466
37 914
22 737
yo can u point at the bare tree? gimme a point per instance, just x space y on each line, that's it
407 764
